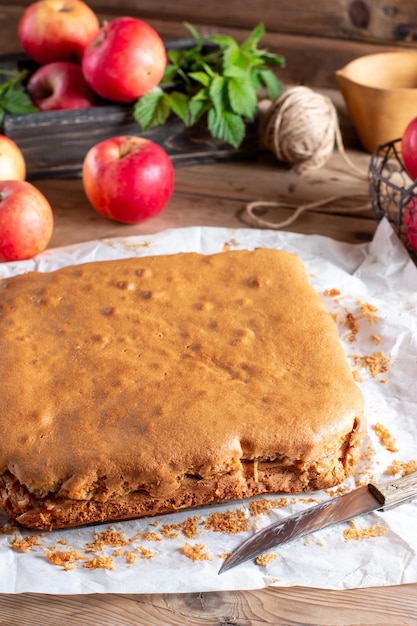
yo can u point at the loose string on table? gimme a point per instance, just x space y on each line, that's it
301 127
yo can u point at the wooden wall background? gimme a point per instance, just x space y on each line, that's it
315 36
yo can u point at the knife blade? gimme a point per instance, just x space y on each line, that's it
365 499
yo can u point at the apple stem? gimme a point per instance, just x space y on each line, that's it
125 148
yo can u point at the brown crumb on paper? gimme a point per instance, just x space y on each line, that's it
230 522
376 339
353 326
369 532
331 293
369 311
189 528
151 536
196 552
366 311
7 530
376 363
265 559
399 467
64 558
263 507
224 555
385 437
145 553
108 537
100 562
26 544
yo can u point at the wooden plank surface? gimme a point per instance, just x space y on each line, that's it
360 20
217 194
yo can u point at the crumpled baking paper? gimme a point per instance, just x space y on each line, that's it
379 274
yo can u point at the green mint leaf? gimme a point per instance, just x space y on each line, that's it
232 57
174 56
271 82
223 41
13 97
242 96
198 107
17 102
226 126
200 77
179 105
194 32
218 94
152 109
252 41
268 58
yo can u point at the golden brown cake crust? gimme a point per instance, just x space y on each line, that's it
145 378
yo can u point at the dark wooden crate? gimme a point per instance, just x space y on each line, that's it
54 143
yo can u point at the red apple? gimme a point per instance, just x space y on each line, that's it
410 224
125 60
12 162
57 30
409 148
26 220
128 179
60 85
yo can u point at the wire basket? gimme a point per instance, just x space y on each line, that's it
393 193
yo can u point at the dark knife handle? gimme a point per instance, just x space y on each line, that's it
396 492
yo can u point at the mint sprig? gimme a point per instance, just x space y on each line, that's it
13 97
217 80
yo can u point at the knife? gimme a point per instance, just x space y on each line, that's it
371 497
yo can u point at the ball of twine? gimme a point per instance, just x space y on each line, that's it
301 127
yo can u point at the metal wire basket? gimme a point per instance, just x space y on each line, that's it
393 193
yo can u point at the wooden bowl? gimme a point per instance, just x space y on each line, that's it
380 92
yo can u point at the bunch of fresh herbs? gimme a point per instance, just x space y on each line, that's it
13 96
216 79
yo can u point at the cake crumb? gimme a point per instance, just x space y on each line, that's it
130 556
230 522
196 552
100 562
385 438
63 558
353 326
188 527
151 536
145 553
263 507
265 559
357 377
108 537
376 339
376 363
368 532
399 467
331 293
25 544
170 531
369 311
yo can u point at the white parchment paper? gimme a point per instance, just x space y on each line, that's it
379 274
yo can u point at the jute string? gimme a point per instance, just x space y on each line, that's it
301 127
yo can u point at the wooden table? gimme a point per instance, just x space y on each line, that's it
216 195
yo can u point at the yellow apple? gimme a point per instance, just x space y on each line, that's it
12 162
